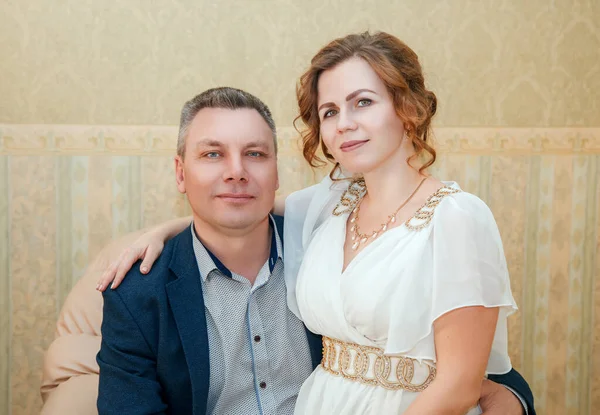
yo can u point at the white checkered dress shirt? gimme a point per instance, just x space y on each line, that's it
258 351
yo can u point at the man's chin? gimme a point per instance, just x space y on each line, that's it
238 221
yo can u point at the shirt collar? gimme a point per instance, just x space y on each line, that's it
208 262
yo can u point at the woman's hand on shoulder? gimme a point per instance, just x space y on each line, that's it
147 248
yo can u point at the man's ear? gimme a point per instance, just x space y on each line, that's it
179 174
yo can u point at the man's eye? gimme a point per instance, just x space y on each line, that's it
212 155
329 113
363 102
255 154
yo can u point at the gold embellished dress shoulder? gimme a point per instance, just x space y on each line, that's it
376 316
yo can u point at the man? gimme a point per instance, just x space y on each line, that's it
209 331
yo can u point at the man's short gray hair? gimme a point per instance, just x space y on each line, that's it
222 97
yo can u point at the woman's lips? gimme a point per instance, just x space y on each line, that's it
352 145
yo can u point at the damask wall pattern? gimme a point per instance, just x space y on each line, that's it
68 190
491 62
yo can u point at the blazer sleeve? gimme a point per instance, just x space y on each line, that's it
515 381
128 375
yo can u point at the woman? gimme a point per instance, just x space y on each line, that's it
403 275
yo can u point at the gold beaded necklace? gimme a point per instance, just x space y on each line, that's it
360 238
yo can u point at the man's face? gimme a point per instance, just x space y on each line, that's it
229 170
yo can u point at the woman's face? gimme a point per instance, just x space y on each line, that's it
359 124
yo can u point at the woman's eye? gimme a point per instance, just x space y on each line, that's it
329 113
364 102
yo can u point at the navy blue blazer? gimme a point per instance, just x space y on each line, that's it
154 354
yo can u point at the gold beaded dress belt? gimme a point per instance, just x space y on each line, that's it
368 365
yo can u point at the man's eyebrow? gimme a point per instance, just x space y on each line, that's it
209 142
256 144
348 98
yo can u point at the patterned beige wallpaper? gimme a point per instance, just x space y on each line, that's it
492 62
90 92
65 191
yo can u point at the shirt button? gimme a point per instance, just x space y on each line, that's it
257 338
262 385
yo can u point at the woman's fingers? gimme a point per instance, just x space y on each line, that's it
152 254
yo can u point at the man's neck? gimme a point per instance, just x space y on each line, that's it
243 253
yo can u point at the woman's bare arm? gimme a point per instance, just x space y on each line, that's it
463 342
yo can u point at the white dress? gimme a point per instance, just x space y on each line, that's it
393 290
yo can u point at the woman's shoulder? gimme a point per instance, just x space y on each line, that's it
462 201
450 203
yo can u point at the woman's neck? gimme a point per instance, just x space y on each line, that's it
391 183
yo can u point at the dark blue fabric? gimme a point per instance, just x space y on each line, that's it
154 354
515 381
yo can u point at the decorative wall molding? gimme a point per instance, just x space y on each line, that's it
54 139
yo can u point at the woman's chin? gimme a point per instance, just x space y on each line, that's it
356 168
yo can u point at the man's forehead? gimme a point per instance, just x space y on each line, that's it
227 115
240 126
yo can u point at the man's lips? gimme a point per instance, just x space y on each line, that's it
235 197
352 144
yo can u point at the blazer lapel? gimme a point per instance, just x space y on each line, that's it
187 303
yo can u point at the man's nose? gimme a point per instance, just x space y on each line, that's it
236 170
